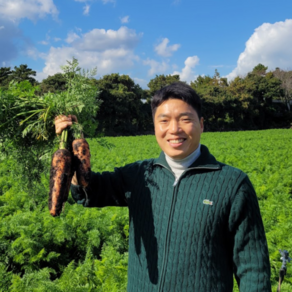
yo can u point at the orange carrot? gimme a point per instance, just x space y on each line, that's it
81 158
60 177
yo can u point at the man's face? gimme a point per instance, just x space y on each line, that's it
177 128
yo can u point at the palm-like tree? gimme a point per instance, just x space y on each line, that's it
22 73
5 76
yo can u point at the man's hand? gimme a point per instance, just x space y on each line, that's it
61 123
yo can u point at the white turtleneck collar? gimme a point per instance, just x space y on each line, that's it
178 166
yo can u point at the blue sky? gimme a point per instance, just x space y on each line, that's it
147 38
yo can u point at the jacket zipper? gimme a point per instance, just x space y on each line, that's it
163 267
166 244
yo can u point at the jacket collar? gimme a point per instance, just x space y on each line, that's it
205 161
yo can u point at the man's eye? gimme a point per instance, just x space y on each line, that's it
186 120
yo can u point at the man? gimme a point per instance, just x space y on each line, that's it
194 222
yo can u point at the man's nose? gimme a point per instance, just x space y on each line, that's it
174 126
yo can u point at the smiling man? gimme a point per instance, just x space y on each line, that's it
194 222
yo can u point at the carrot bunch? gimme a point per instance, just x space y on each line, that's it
64 163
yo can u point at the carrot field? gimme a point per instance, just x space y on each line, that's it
86 249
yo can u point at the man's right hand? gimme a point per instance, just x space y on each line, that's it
62 122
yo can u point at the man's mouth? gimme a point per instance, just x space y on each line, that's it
176 141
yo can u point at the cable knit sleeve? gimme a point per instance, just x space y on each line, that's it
109 188
250 252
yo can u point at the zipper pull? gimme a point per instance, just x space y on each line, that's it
175 182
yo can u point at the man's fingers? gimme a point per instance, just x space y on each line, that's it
62 122
61 126
74 118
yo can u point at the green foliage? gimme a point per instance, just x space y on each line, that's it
55 83
243 104
160 81
122 111
286 85
19 74
22 73
27 131
4 76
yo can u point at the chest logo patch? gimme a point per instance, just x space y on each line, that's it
208 202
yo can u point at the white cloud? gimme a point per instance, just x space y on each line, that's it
109 51
32 9
86 9
269 45
125 19
72 36
187 73
156 67
57 39
166 51
101 39
12 40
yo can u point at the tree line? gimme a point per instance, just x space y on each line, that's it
260 100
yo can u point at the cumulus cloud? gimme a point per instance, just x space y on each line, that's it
32 9
156 67
111 51
164 50
101 39
187 73
270 45
125 19
12 41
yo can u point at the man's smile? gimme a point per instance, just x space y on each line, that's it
176 141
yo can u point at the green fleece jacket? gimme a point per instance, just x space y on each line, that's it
190 237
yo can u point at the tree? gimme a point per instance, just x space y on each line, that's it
256 93
122 111
5 76
286 79
260 69
210 86
22 73
55 83
215 102
161 81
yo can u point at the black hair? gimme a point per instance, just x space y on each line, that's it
177 90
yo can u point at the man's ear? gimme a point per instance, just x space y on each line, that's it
202 124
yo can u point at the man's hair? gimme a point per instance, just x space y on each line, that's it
177 90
